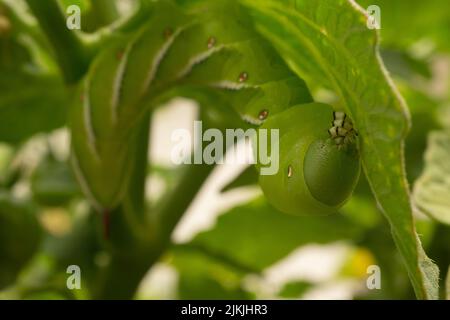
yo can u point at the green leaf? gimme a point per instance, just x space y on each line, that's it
31 99
295 289
256 235
81 246
53 183
6 157
203 278
425 119
327 42
28 105
430 19
19 237
432 189
394 281
404 65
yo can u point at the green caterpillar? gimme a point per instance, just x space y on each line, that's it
201 50
208 46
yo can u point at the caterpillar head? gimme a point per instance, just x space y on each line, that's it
342 131
317 171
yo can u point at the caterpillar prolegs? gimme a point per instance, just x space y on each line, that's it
210 47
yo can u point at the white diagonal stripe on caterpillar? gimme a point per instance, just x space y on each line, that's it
252 120
201 57
88 121
118 82
83 182
230 85
159 57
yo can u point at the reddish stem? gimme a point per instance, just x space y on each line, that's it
106 215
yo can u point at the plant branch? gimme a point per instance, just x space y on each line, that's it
67 44
129 244
175 204
134 201
132 257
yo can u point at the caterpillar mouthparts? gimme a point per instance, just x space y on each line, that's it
342 131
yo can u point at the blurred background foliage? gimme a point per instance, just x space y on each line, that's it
248 250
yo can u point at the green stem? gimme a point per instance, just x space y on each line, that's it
131 261
67 44
176 202
132 252
162 222
134 201
129 244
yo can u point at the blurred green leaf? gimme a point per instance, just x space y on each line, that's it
31 100
394 281
79 247
295 289
362 210
6 156
30 104
405 22
19 237
203 278
256 235
53 183
45 295
432 189
402 64
328 41
424 119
